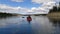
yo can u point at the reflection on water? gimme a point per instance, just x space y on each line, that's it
38 25
55 21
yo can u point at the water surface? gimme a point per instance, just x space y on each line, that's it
38 25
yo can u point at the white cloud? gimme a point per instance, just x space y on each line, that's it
41 1
57 0
9 9
5 8
46 4
17 0
44 1
44 8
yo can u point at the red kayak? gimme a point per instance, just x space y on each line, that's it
29 18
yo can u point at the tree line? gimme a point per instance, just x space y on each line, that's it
55 9
5 14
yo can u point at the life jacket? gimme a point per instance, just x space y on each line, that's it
29 19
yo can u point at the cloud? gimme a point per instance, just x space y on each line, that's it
9 9
44 8
18 0
57 0
41 1
46 4
19 10
44 1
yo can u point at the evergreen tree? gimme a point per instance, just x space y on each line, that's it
54 8
59 7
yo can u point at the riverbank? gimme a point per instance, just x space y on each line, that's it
6 15
54 15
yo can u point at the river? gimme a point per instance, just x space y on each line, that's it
38 25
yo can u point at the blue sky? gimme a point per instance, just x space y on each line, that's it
27 6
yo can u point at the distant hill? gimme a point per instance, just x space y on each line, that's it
6 14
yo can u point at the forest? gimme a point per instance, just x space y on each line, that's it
55 9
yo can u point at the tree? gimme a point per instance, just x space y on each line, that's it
54 8
59 7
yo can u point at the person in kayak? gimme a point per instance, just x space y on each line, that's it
29 19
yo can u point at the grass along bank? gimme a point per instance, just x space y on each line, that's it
54 15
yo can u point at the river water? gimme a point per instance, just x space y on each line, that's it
38 25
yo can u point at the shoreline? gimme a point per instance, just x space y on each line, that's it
54 15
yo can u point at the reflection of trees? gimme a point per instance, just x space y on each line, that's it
55 22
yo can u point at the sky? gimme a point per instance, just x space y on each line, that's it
27 6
